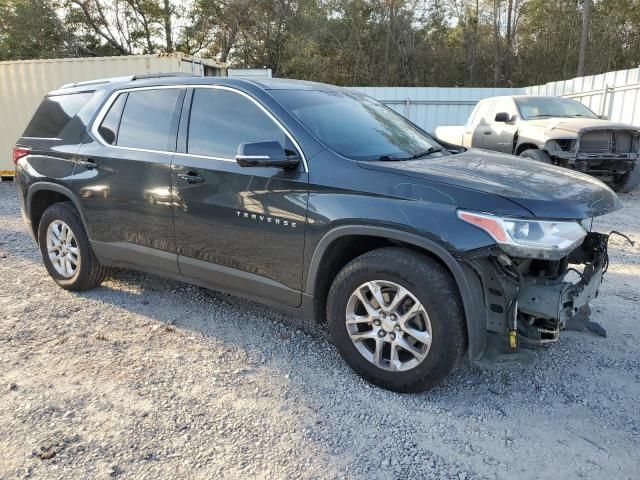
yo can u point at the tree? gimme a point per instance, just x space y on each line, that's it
127 26
346 42
31 29
584 36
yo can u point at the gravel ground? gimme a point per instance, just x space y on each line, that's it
149 378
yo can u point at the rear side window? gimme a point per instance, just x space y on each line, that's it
221 120
146 119
108 129
54 114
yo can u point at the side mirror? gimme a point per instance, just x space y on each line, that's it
502 117
265 154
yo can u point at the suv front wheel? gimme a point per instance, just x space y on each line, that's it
396 318
538 155
66 251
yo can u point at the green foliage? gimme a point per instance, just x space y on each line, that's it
346 42
31 29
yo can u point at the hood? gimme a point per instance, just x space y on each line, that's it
563 126
545 190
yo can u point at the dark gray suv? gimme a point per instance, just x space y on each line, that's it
322 202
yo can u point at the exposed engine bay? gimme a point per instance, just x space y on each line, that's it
604 153
529 301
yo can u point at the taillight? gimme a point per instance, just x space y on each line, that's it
19 152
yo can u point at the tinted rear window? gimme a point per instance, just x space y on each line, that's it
146 120
54 114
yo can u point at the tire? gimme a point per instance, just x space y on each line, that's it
421 276
629 181
539 155
82 271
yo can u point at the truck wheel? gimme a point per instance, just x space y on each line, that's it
396 318
629 181
65 249
539 155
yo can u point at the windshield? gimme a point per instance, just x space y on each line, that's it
356 126
540 107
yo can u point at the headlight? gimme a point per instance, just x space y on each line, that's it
560 145
546 239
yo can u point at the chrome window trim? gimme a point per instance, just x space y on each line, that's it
107 105
42 138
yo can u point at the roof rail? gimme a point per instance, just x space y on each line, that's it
127 78
99 81
147 76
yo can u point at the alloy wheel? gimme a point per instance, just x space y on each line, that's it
388 325
63 249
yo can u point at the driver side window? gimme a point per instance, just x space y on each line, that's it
504 105
221 120
482 114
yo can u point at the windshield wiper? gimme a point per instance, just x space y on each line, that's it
391 158
426 152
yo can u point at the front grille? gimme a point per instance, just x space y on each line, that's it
596 142
607 141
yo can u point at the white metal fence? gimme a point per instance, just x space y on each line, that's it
430 107
614 94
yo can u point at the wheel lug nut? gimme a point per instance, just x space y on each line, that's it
393 317
376 323
392 336
382 333
397 327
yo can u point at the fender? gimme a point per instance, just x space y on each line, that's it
54 187
468 283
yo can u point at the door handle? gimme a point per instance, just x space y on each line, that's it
487 132
89 163
191 177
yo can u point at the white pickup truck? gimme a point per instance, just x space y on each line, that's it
553 130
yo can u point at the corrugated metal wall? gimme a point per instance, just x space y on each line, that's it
24 83
615 94
250 72
430 107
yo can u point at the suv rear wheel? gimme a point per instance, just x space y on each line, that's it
66 251
396 318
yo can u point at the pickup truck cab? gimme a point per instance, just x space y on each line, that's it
553 130
319 201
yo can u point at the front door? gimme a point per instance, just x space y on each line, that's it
503 133
123 179
479 130
237 228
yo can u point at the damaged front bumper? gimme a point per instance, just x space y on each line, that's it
528 301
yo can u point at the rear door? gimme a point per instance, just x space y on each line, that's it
123 178
237 228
